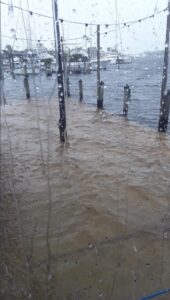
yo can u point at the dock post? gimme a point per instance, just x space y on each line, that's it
164 113
26 86
101 95
25 69
68 87
162 126
13 66
80 90
126 100
98 65
60 75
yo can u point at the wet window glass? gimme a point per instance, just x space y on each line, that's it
85 149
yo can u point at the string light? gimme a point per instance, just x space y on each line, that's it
39 40
24 39
26 10
125 24
118 24
92 24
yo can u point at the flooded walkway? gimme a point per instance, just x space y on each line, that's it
87 220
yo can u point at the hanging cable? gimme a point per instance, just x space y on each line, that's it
24 23
156 6
87 23
28 11
10 7
16 27
113 24
120 36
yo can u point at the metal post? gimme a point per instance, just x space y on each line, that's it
61 93
163 112
80 90
98 65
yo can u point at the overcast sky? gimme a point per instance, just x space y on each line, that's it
148 35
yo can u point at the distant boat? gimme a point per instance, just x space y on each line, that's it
78 62
19 69
46 63
118 57
103 64
119 60
6 65
78 67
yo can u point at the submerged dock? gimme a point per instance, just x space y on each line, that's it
89 219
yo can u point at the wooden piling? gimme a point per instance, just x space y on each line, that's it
26 86
25 69
126 100
162 126
13 67
80 90
164 113
98 65
68 87
101 95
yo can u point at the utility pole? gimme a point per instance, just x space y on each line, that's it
98 65
164 105
60 74
64 61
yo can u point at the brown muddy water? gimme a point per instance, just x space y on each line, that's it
87 220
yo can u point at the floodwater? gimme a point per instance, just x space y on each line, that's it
85 220
144 77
